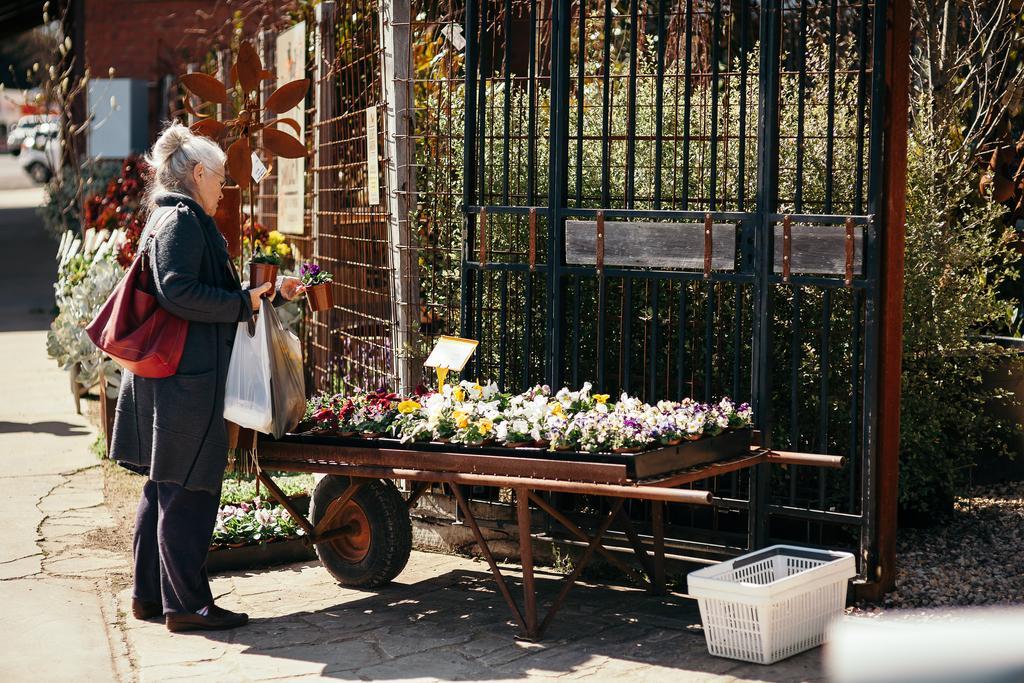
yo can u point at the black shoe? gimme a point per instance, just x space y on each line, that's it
216 619
144 610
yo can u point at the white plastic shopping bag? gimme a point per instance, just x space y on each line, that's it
248 400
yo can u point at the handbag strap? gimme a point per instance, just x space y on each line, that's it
155 224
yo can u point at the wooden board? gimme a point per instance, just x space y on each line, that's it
651 244
819 249
618 468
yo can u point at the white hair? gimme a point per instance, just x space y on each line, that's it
175 155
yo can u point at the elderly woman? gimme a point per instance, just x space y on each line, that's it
172 429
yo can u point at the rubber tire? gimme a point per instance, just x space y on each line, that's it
391 532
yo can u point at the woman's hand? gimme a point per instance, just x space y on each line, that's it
291 287
256 293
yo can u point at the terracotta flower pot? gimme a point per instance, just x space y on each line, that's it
517 444
263 272
694 437
320 297
542 443
673 442
631 449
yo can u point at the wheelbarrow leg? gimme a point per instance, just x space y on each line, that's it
526 560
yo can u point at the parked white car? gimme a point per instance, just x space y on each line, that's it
40 153
24 129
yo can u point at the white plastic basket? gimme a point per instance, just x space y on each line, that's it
773 603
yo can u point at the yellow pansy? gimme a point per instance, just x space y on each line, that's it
460 395
461 419
283 249
556 409
601 398
275 238
484 425
408 406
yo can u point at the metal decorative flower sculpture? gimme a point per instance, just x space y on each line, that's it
246 131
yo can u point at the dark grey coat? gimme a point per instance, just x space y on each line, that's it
173 428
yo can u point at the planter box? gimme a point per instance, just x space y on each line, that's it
643 465
259 555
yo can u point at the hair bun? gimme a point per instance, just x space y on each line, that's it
170 141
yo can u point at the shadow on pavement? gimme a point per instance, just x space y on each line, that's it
456 626
55 428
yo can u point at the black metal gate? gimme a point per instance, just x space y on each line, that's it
681 199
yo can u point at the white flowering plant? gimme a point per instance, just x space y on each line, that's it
475 414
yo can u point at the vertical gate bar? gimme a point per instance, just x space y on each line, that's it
794 389
527 331
478 357
737 336
767 199
507 152
531 125
681 347
687 96
830 140
526 561
581 53
468 170
862 61
890 351
716 30
576 334
631 105
483 95
880 164
801 108
823 395
709 337
606 115
503 331
855 399
627 334
558 182
655 332
741 170
659 103
602 328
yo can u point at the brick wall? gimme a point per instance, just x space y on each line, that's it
150 39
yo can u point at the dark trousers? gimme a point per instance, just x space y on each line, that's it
173 528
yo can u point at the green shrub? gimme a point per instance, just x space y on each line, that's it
958 252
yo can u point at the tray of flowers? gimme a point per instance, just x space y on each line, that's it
580 426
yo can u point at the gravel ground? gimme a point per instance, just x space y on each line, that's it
976 558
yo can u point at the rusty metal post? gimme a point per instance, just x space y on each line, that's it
526 561
894 184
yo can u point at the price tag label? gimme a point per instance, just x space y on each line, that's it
259 171
451 353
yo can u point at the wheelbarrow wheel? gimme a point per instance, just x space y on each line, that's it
378 539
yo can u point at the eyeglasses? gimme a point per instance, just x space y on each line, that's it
223 180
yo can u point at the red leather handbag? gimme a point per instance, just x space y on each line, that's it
133 329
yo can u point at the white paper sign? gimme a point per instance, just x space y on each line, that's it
372 170
259 171
291 173
452 353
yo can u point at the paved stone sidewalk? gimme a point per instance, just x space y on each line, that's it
442 620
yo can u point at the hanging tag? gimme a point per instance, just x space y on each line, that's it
259 171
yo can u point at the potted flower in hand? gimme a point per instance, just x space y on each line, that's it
318 287
266 259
